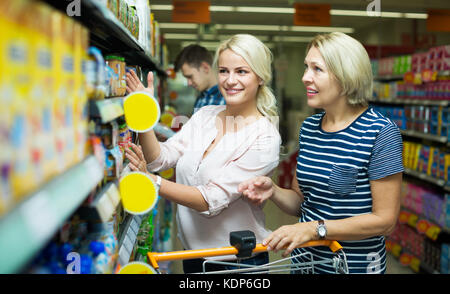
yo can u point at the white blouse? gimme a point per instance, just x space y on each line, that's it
252 151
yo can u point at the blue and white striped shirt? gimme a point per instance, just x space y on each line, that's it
334 170
212 96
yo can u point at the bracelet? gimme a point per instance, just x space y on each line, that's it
158 181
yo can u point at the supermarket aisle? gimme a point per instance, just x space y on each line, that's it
395 267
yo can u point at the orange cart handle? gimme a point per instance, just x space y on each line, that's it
155 257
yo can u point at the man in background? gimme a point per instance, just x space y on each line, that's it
195 63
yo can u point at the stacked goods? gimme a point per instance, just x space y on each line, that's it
42 91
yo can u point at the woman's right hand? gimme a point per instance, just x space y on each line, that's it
134 84
257 190
136 158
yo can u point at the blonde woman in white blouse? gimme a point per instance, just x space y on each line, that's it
218 148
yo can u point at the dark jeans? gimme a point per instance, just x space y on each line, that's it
196 265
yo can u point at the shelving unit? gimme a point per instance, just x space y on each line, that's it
31 224
417 233
128 237
26 229
109 35
107 109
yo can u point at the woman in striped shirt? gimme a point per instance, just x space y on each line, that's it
349 164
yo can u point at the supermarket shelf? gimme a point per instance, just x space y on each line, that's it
103 206
107 109
442 73
110 35
27 229
405 101
427 269
438 182
128 237
388 77
434 138
423 267
412 219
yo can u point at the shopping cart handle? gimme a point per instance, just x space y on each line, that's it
155 257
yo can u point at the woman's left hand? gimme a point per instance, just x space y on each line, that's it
136 158
290 237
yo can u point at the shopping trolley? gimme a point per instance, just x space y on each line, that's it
244 245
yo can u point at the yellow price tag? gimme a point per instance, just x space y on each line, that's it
412 220
137 268
138 192
141 111
166 119
396 250
415 264
433 232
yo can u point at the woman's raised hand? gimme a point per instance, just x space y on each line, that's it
134 84
136 158
257 190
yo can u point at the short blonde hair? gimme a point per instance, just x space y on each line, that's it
349 62
259 58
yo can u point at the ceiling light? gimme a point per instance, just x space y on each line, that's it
321 29
274 28
180 36
213 45
284 28
387 14
290 10
249 27
206 37
221 8
207 45
416 15
292 39
161 7
265 9
348 12
187 26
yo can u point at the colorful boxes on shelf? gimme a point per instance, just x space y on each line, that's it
435 59
395 113
439 58
427 203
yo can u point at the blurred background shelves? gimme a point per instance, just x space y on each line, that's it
108 109
41 215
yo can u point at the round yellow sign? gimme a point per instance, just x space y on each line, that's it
137 268
167 174
138 192
141 111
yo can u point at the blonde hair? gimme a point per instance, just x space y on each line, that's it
349 62
259 58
